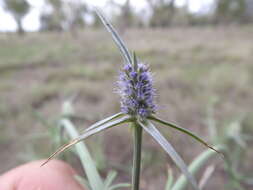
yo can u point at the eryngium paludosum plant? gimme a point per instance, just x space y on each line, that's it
138 109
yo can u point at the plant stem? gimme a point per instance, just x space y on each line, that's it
137 156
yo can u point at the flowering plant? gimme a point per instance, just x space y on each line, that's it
138 108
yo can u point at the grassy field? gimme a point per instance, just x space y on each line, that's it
195 70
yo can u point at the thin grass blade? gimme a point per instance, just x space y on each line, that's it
83 182
185 131
194 167
88 164
151 129
119 42
120 185
102 122
206 176
170 180
109 179
88 134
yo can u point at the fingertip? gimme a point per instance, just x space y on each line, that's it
54 175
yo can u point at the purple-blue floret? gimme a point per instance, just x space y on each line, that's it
136 91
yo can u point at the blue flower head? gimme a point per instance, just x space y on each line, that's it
136 90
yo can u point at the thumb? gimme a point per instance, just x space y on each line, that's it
56 175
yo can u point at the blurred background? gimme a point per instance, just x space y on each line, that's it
201 54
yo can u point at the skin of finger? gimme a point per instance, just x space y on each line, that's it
54 175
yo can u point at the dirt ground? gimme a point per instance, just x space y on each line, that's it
195 70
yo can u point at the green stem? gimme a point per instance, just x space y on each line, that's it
137 156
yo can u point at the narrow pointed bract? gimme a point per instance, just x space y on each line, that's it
151 129
185 131
88 134
102 122
119 42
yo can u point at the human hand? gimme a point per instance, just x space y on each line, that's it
56 175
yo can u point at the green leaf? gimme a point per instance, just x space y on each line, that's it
185 131
119 42
207 174
83 182
170 180
88 134
95 180
120 185
102 122
109 179
151 129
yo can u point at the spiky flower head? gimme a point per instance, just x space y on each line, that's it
136 90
